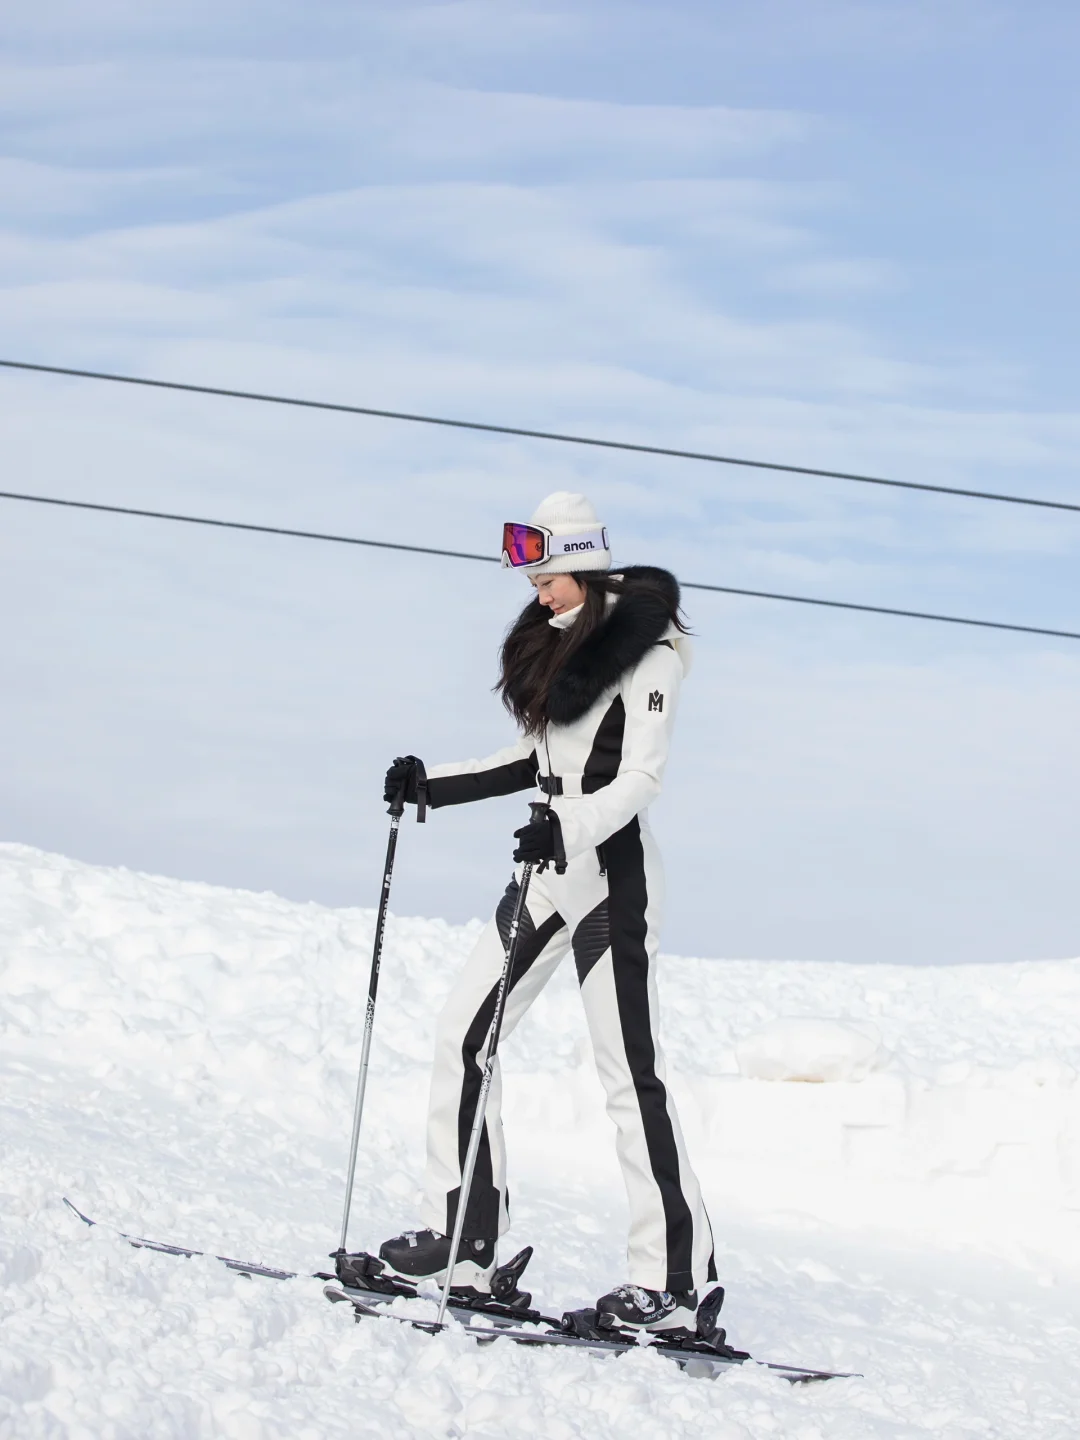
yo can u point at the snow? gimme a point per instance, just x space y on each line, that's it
181 1060
814 1051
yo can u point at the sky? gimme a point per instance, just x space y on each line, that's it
828 234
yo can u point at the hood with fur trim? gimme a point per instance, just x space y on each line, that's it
637 621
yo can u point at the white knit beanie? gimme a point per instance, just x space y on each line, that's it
572 518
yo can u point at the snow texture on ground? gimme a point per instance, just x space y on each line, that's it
181 1060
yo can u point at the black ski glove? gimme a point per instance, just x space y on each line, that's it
540 841
407 771
536 842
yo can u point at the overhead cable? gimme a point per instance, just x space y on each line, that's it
491 559
544 435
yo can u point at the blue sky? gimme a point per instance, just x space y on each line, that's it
832 234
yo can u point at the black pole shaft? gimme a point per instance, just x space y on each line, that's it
469 1168
396 811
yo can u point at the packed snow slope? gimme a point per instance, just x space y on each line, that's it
181 1060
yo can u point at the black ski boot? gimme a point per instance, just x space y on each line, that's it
632 1307
424 1254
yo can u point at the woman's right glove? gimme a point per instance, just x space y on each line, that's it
407 774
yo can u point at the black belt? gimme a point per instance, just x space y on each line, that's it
553 784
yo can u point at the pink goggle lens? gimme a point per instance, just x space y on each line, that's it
523 544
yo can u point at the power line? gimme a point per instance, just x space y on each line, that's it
885 610
242 525
490 559
543 435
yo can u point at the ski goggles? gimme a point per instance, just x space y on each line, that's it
533 544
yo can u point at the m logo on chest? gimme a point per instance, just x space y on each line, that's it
656 701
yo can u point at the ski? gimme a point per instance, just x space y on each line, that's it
362 1281
363 1275
243 1267
698 1354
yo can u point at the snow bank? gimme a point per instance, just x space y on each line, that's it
813 1051
181 1059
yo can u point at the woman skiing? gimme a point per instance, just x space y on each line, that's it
591 672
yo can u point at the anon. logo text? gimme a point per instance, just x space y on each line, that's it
656 701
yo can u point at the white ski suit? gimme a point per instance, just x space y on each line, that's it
601 771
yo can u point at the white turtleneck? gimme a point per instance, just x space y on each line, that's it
567 618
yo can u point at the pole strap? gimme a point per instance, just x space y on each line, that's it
551 815
421 793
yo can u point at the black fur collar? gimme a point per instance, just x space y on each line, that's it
638 619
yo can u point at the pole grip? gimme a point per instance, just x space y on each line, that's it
542 810
397 804
396 807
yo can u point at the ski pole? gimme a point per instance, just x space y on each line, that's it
396 810
538 809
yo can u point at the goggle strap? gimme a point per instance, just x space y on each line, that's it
579 544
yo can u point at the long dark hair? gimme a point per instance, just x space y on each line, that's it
534 651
